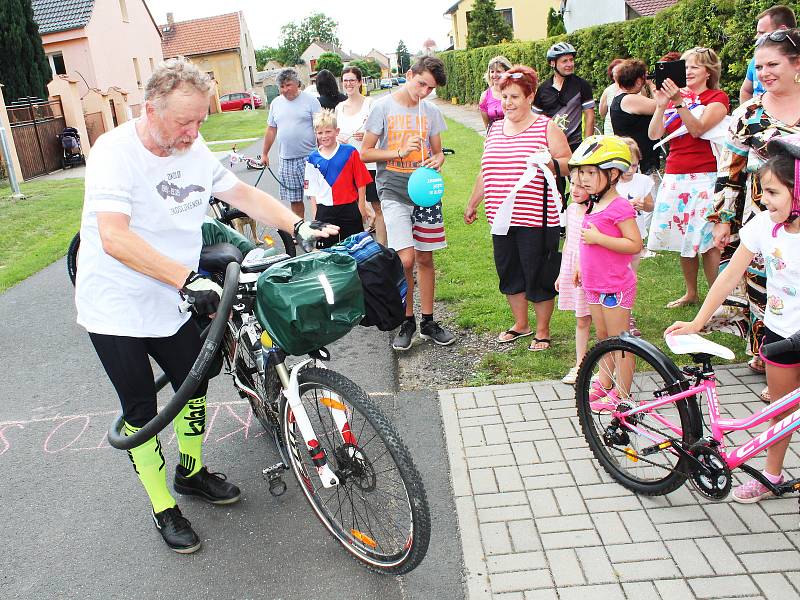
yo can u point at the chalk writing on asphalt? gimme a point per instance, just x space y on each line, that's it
225 421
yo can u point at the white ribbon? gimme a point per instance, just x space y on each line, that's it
536 161
716 135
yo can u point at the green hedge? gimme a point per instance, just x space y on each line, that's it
727 26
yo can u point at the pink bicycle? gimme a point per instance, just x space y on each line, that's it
648 430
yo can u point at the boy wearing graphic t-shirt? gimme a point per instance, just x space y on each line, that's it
336 181
403 133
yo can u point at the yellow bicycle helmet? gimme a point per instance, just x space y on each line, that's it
603 152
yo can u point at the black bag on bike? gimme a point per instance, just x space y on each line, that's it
307 302
382 280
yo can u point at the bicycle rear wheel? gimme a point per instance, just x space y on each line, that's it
379 511
72 257
629 451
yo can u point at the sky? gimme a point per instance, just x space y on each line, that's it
363 24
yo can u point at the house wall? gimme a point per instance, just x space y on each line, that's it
114 43
74 46
248 55
587 13
227 70
529 17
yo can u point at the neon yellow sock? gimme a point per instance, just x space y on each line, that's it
190 427
148 462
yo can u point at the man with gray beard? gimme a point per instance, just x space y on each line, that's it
148 183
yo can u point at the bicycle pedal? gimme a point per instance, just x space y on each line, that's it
273 474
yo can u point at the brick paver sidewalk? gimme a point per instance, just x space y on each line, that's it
540 519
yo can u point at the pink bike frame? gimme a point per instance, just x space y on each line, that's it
708 388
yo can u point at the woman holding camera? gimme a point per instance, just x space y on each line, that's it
686 196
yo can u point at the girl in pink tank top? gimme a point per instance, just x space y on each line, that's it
609 239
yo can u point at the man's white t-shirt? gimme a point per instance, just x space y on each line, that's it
781 255
166 199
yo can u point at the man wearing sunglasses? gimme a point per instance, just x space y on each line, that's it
773 19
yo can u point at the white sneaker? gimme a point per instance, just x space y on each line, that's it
571 377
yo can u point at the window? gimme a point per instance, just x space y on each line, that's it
138 72
225 98
508 15
57 66
123 8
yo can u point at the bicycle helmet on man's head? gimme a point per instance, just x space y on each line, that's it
560 49
788 145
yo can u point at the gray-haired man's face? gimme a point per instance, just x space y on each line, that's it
290 89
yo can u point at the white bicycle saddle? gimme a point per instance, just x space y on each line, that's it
697 344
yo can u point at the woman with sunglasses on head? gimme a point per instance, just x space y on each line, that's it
351 116
491 104
685 197
521 153
738 189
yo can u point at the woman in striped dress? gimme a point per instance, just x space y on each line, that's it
522 151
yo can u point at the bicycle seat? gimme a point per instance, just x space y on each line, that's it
215 258
696 344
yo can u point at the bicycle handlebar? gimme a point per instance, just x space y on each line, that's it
196 374
790 344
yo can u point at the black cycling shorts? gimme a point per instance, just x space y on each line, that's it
127 363
785 359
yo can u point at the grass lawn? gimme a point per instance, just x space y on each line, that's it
234 125
36 231
467 280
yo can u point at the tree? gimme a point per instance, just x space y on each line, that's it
555 23
330 61
369 68
297 37
268 53
487 26
403 58
24 70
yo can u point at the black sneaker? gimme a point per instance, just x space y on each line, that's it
176 530
431 330
402 341
211 487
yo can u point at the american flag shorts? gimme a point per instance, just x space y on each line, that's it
409 225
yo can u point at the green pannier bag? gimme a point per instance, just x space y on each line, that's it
307 302
215 232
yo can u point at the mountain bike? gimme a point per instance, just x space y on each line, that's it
648 431
350 462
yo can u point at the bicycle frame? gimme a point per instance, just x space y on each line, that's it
291 390
708 388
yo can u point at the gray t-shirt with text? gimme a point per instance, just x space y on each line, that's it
295 122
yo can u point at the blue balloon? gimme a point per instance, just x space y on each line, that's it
425 186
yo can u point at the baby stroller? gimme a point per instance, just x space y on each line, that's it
71 146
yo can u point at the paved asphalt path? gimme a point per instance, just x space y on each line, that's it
75 521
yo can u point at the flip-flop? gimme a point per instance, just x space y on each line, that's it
752 366
514 336
539 341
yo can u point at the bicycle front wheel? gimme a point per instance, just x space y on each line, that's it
629 450
379 511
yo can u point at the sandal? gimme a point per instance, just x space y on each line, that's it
756 365
764 396
632 329
514 335
536 341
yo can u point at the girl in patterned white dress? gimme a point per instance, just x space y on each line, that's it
571 297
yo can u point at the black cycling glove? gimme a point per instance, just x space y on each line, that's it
202 293
304 233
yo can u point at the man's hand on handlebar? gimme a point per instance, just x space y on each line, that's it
200 293
307 232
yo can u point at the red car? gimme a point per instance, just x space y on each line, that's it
240 101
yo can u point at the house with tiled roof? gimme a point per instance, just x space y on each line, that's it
311 54
220 45
103 44
588 13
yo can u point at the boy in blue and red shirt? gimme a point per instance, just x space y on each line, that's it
336 181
